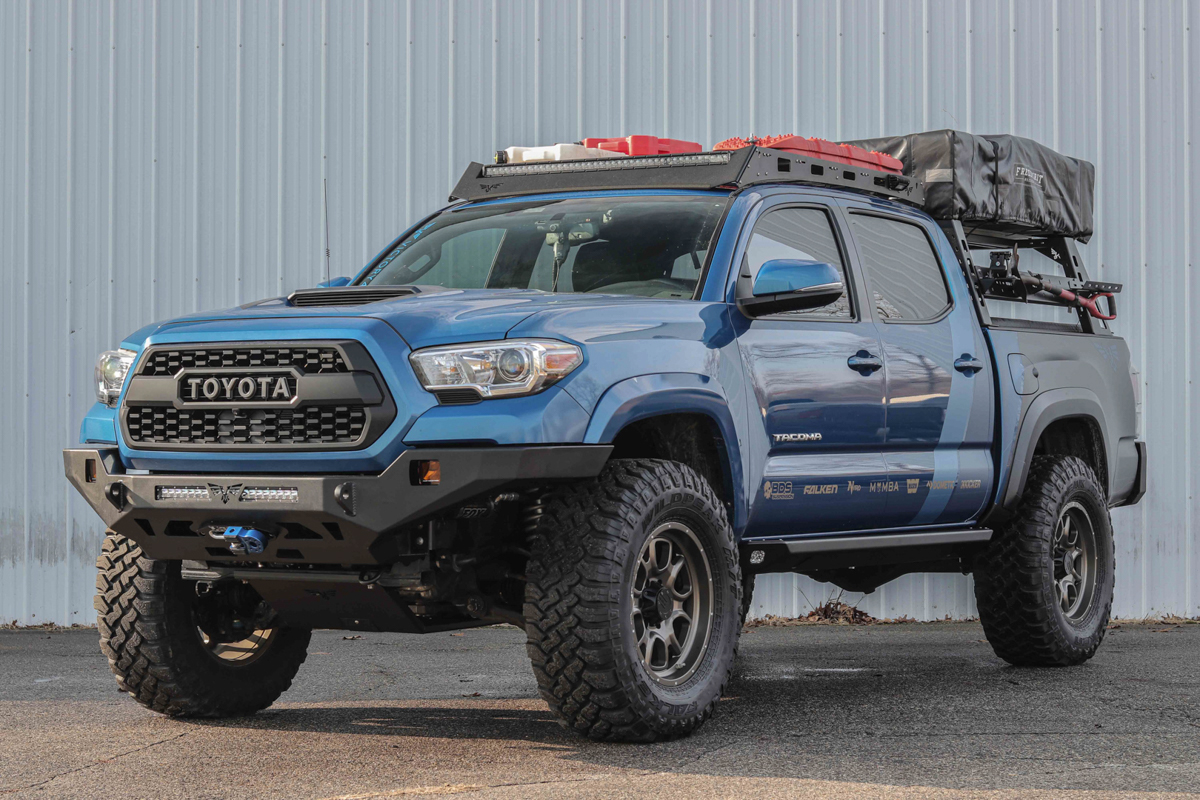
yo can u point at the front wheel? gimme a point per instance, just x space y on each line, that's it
633 602
1044 586
184 654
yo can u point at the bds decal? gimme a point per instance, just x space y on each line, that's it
778 490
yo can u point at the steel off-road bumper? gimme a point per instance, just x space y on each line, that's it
316 519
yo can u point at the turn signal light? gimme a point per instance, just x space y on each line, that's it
427 473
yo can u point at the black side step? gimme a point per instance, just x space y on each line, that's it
838 550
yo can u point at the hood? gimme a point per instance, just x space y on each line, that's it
448 317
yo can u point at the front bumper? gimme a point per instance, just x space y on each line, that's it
333 519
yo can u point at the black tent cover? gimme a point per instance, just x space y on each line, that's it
1001 183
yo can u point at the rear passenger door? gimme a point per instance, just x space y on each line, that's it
939 405
821 406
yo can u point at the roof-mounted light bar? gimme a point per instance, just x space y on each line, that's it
607 164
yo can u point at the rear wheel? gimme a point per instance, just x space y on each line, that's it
633 602
1044 586
747 595
182 653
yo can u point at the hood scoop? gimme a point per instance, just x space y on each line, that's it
355 295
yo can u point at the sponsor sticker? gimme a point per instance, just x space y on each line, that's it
778 490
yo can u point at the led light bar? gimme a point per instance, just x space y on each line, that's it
270 494
180 492
604 164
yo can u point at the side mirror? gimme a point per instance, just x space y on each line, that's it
788 284
332 282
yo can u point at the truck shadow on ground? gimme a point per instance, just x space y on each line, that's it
783 720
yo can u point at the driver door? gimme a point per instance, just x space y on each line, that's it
822 417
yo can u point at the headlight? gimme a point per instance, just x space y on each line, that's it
496 369
111 368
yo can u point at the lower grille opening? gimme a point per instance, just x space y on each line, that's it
179 527
308 425
457 397
297 531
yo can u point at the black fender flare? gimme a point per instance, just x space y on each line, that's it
1047 408
644 396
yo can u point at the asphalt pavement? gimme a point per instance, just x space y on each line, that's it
912 710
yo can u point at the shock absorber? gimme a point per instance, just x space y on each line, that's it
531 514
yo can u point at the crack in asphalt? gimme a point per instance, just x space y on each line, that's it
702 756
967 734
86 767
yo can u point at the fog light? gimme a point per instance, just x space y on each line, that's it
427 473
270 494
757 556
180 493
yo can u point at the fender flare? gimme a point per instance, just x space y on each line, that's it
645 396
1047 408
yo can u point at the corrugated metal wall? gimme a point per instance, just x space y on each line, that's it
158 158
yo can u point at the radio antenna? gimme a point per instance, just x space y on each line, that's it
325 181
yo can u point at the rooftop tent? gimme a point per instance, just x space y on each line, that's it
998 183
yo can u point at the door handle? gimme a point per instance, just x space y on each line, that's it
968 364
863 362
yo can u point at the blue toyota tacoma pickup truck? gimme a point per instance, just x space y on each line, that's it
595 398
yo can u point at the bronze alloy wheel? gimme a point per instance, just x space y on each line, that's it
1074 561
672 609
241 652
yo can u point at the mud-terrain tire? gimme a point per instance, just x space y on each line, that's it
155 650
599 541
747 595
1023 582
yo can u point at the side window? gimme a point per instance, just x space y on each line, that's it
905 277
799 233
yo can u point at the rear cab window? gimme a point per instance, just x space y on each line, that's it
904 274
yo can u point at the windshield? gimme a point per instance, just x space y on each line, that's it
649 246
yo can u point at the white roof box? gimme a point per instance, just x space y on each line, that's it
555 152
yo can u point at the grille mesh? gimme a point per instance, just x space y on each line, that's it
309 425
311 360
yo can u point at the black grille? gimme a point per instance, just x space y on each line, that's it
308 425
310 360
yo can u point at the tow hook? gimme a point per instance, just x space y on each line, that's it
244 541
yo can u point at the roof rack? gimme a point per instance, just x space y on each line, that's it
732 169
